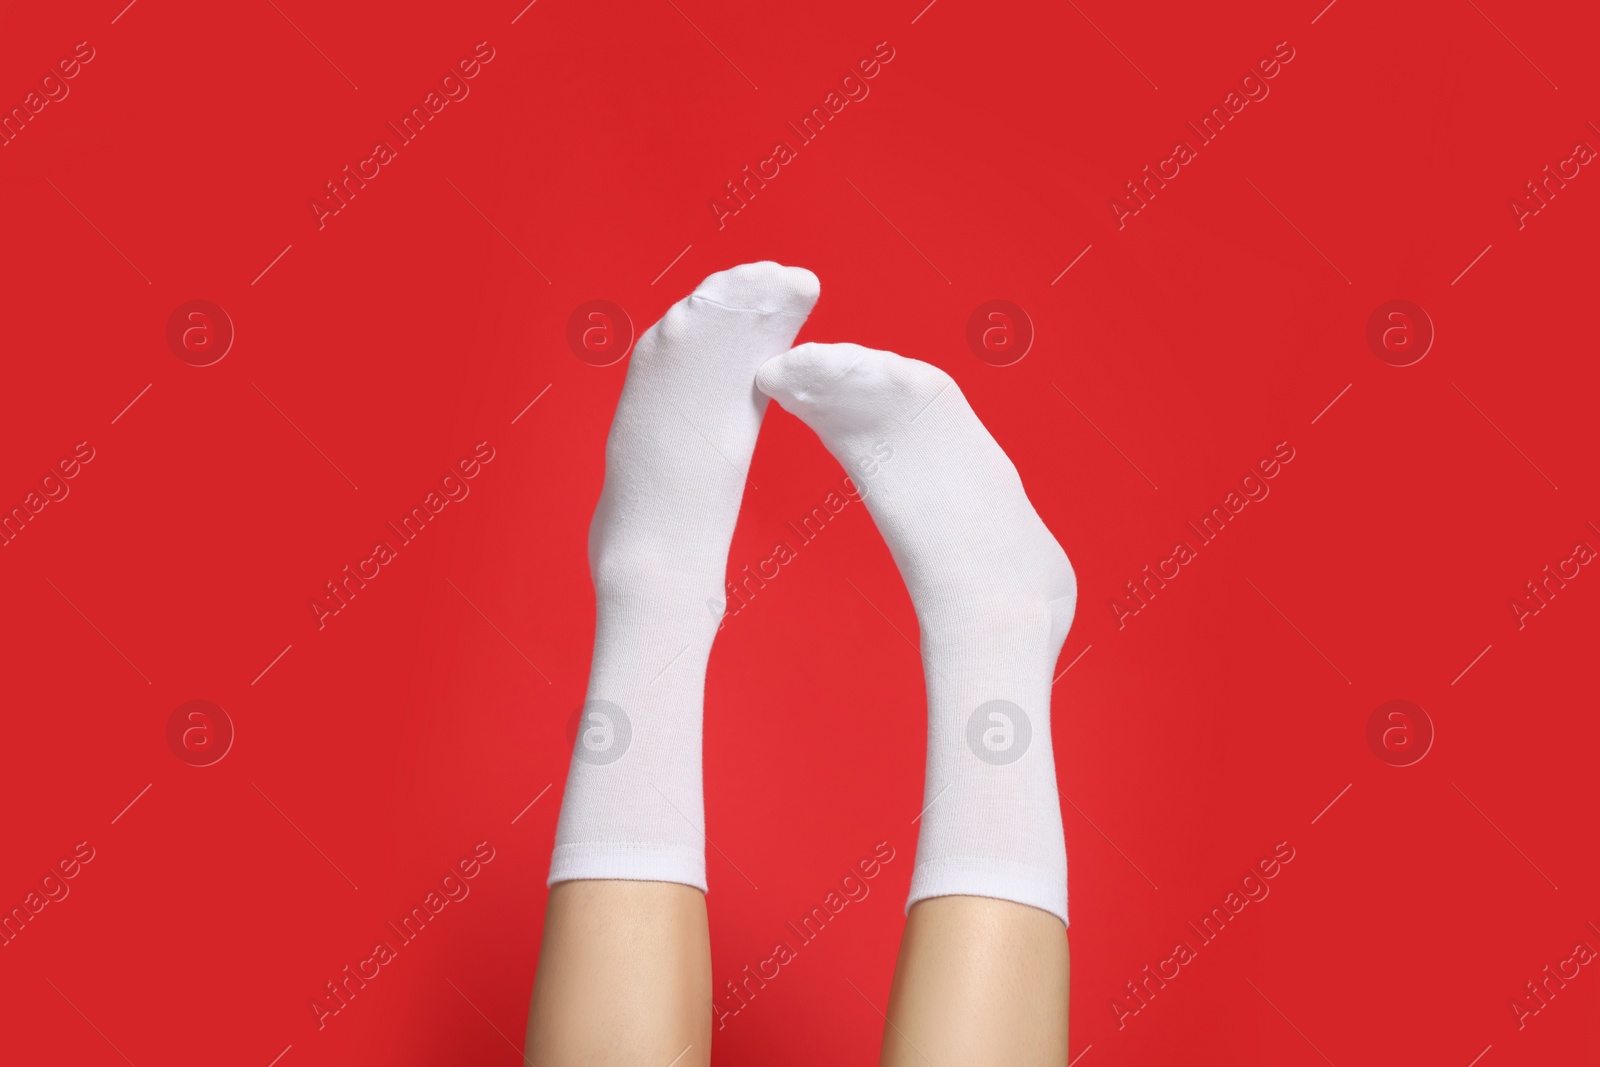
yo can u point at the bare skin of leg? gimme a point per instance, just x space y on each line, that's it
624 977
979 982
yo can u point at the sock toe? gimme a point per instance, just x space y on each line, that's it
840 386
804 373
765 286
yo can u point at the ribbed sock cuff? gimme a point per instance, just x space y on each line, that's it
989 878
616 860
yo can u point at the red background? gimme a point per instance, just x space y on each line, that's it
375 352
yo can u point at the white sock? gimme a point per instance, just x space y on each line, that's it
994 596
676 459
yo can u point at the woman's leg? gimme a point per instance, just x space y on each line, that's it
982 977
624 977
979 981
624 970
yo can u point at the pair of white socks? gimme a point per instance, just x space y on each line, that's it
994 593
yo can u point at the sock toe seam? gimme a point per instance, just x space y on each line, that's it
752 311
